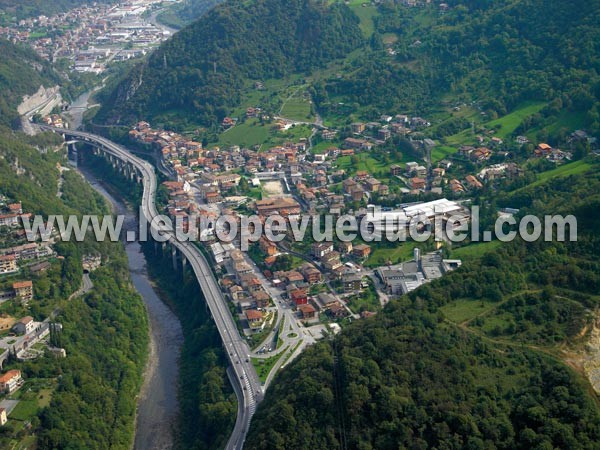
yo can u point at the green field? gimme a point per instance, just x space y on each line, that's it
246 134
509 123
442 151
567 120
381 255
462 310
252 132
297 108
44 397
295 133
574 168
38 35
474 250
25 410
270 98
365 15
365 162
322 147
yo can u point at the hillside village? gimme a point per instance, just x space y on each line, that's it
495 121
332 281
23 337
218 181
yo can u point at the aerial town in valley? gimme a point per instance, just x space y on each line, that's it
90 36
286 295
321 285
326 284
317 285
298 224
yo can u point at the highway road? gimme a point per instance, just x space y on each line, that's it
248 390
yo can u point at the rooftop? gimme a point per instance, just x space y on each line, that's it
22 284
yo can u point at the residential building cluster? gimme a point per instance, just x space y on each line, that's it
17 253
10 214
544 150
90 35
376 133
22 291
189 160
246 290
54 120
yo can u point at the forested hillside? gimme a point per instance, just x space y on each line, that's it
86 400
184 13
418 375
499 53
22 72
198 74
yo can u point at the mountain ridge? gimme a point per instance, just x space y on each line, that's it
201 70
22 72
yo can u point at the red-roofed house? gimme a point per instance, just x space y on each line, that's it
255 319
417 183
10 381
299 297
307 311
23 289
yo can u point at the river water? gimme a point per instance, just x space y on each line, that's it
157 404
78 107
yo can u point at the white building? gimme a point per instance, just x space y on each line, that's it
10 381
24 326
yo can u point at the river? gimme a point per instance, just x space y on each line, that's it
153 19
157 404
157 407
78 107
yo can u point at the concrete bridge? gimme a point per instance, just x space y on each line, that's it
241 372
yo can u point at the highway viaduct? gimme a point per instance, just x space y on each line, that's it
241 372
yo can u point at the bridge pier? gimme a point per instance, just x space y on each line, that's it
174 256
72 153
183 264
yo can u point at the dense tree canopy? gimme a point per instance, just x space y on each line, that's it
498 53
22 72
201 70
105 333
411 378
